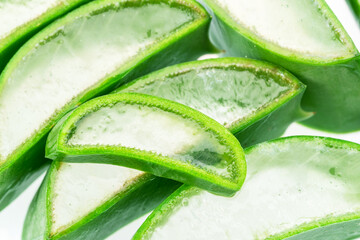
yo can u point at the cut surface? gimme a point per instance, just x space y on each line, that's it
160 136
229 90
75 56
78 189
150 129
14 13
292 185
304 27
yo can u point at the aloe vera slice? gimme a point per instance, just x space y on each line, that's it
255 100
154 135
90 51
306 38
298 187
20 19
91 201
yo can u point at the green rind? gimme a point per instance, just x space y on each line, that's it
186 44
355 6
140 197
162 166
10 44
333 86
267 123
331 228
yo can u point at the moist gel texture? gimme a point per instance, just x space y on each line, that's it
75 58
290 183
79 189
14 13
227 94
299 26
154 130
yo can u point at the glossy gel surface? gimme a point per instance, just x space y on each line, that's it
153 130
226 94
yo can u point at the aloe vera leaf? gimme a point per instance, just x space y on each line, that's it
21 19
355 6
298 187
131 35
304 37
91 201
255 100
154 135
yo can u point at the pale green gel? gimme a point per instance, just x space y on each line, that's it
153 130
227 95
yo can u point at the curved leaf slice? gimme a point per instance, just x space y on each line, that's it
306 38
151 134
298 187
91 201
88 52
255 100
21 19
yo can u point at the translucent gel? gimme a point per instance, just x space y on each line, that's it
300 26
226 95
151 129
287 185
14 13
77 57
79 189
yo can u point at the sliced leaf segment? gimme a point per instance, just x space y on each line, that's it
154 135
91 201
256 101
21 19
86 53
298 187
306 38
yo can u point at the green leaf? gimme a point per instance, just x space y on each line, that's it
306 38
89 52
355 5
297 187
155 135
91 201
255 100
22 19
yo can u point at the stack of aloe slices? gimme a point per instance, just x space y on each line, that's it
207 79
119 156
296 188
86 53
306 38
21 19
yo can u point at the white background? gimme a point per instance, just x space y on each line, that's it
11 219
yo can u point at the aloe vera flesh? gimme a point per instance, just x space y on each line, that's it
154 135
235 92
41 85
82 201
293 185
306 38
20 19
